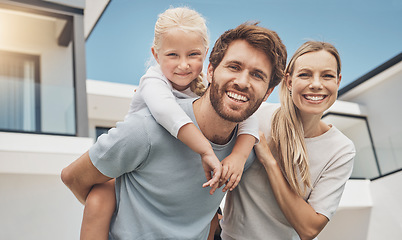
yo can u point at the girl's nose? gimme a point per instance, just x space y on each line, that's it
183 64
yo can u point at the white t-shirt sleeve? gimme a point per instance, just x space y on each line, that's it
328 189
250 126
162 104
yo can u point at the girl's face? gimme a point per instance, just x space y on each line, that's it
181 57
314 82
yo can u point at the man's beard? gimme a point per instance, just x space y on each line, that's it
216 94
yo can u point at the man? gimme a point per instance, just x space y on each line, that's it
158 178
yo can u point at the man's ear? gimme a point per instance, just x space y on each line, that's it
155 54
210 73
268 93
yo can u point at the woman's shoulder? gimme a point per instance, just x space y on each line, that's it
340 138
264 115
267 108
333 141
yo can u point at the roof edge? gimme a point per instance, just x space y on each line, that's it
396 59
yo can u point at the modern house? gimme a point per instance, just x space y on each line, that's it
50 114
371 205
43 113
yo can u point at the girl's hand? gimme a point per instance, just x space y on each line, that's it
213 170
232 171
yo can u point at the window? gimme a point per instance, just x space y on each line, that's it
101 130
366 165
19 92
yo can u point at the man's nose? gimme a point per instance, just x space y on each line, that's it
243 80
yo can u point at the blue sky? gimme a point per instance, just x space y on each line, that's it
367 33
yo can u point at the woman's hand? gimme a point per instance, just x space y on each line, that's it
263 151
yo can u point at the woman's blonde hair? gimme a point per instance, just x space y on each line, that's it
287 128
187 20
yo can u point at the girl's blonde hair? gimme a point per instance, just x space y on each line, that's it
287 128
186 20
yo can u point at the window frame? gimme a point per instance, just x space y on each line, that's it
37 84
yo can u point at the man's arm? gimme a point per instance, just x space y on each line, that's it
81 175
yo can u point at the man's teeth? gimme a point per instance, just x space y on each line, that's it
314 98
237 96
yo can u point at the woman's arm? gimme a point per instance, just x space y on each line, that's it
303 218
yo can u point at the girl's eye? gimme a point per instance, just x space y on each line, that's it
303 75
171 54
195 54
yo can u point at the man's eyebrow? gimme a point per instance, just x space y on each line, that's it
234 61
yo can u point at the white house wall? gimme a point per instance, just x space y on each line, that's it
36 206
381 98
385 219
384 112
34 203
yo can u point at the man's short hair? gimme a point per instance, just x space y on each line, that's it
260 38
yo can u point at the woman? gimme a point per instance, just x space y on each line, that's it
293 191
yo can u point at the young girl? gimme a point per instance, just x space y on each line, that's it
180 47
293 191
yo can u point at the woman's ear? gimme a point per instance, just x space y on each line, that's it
155 54
339 79
288 81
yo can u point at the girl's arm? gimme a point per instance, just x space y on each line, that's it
158 96
190 135
233 165
303 218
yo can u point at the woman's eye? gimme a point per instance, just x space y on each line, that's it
329 76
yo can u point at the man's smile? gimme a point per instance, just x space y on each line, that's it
236 96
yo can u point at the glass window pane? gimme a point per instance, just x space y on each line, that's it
37 90
17 93
356 129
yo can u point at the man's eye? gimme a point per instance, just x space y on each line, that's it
258 75
234 67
